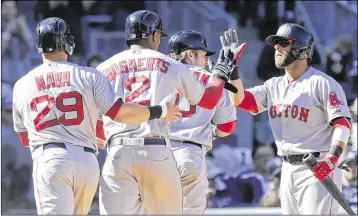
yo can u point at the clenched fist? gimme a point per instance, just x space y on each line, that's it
324 167
224 66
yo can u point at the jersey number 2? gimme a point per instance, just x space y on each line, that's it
133 95
77 107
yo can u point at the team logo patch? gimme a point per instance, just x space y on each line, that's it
334 101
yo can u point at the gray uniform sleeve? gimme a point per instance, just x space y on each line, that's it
16 116
225 111
334 102
260 93
191 89
103 93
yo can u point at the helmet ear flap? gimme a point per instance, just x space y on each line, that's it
310 51
70 45
300 53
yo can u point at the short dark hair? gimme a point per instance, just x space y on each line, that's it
137 42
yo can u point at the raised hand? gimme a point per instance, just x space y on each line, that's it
230 41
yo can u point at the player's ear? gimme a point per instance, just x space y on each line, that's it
156 36
153 37
192 53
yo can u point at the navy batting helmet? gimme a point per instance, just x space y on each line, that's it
300 38
141 24
188 39
53 34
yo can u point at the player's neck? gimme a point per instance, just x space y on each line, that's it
141 45
54 57
295 70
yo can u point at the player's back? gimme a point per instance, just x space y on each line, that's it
55 103
146 77
195 123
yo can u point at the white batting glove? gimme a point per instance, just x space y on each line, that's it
231 41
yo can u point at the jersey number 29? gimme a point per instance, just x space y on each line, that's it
76 107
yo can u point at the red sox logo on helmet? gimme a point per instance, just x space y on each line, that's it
334 101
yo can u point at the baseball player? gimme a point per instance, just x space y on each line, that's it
308 113
140 171
55 108
191 136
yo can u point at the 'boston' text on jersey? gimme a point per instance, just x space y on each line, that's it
289 110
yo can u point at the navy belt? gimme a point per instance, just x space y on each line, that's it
62 145
293 159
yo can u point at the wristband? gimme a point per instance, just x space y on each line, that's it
235 74
155 112
336 150
341 133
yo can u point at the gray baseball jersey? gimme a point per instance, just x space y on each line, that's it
147 77
60 102
301 111
195 123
